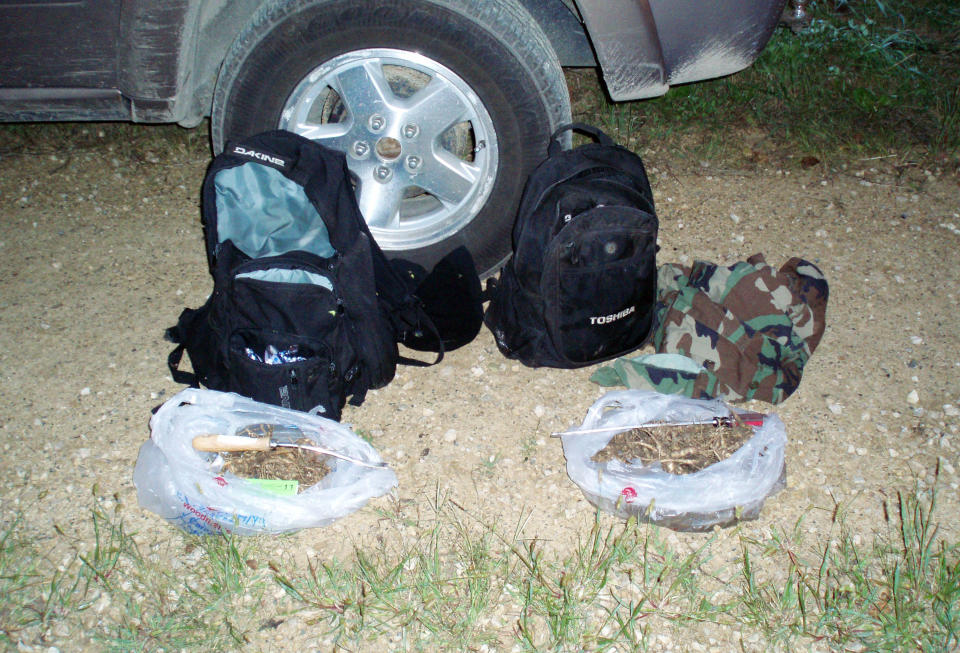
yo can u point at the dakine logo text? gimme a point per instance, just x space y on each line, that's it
260 156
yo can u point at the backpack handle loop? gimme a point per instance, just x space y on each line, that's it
583 128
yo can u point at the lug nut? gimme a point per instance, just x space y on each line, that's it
410 131
413 162
382 174
377 123
360 149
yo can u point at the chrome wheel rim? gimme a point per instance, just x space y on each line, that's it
420 145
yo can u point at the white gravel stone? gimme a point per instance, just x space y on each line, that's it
913 397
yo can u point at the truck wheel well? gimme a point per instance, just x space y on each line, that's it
220 21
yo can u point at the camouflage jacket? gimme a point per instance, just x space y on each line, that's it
743 331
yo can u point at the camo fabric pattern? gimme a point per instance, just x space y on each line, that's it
750 328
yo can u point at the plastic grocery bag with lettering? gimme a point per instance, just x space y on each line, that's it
190 489
721 494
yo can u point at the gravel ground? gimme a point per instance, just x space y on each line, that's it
100 249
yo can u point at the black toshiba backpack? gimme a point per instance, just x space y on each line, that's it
306 310
581 285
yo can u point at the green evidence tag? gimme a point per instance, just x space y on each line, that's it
278 486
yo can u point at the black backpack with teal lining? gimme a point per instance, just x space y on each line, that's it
306 310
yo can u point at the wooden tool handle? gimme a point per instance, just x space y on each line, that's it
230 443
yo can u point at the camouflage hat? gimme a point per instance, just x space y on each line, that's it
747 329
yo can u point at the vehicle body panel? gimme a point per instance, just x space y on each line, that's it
59 44
151 61
627 45
645 46
741 29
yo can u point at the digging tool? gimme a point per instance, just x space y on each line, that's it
726 421
215 442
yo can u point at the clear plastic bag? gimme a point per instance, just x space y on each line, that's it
187 487
719 495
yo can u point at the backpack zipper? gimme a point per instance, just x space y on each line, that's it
295 388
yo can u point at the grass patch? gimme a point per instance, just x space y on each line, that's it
437 591
624 583
901 592
118 598
866 77
464 583
450 581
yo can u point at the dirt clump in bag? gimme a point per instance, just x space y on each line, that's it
678 449
306 467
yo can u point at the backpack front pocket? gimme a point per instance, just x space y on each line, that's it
288 343
283 370
599 284
296 300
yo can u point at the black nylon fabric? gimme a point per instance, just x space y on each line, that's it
581 285
309 345
451 296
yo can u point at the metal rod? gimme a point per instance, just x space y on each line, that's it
328 452
749 419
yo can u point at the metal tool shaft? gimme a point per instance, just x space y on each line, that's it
326 452
217 442
747 419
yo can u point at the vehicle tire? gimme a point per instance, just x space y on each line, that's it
442 106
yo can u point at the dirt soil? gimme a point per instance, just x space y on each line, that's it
101 248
